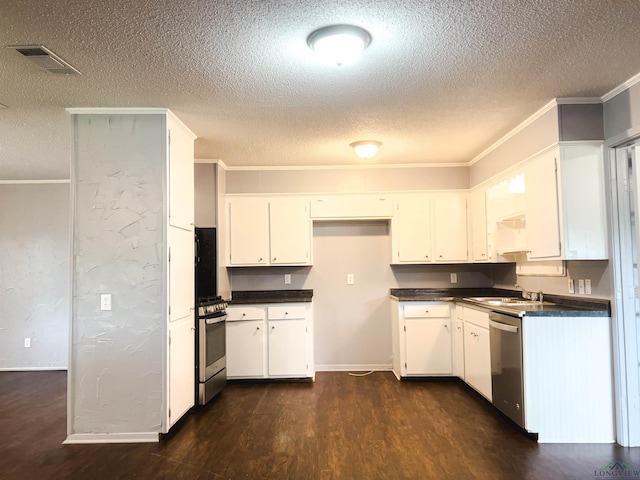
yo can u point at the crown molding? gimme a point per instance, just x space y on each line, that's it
345 167
32 182
621 88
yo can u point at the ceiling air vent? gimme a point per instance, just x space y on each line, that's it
45 58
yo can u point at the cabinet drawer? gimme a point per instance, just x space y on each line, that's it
425 310
245 313
287 312
477 317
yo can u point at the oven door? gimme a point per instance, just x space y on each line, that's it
212 343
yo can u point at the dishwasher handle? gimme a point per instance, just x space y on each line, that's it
503 326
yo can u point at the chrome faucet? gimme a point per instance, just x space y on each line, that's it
525 294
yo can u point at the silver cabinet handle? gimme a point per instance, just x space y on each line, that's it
274 259
257 328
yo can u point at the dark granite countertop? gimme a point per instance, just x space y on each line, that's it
246 297
553 306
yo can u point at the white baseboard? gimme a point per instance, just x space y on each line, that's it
376 367
31 369
83 438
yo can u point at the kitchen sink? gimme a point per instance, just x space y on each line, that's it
505 301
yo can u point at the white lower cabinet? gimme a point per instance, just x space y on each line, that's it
477 352
266 341
458 348
423 337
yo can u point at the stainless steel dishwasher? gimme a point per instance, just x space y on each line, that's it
505 334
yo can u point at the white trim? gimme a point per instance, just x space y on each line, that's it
348 167
622 138
578 100
552 104
32 369
83 438
208 160
117 110
621 88
358 367
29 182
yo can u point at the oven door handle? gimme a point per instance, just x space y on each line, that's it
212 320
503 326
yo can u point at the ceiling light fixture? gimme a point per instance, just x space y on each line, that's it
366 148
339 44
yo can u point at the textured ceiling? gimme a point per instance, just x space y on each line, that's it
441 81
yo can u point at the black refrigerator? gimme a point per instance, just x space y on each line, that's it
206 264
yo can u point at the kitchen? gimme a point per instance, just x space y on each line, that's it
619 119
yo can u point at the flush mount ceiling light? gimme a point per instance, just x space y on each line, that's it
339 44
366 148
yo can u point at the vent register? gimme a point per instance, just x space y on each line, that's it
45 58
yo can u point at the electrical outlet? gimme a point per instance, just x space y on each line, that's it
571 285
105 301
587 286
351 279
581 286
27 342
287 278
454 278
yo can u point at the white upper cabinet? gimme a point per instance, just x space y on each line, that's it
412 230
430 228
248 232
450 227
290 232
269 231
477 206
335 207
565 204
180 164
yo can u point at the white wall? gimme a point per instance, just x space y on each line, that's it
34 276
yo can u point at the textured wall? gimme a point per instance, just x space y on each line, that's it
34 275
116 365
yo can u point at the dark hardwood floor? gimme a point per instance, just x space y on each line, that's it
340 427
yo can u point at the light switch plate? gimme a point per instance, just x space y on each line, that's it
454 278
351 279
27 342
587 286
571 285
287 278
105 301
581 286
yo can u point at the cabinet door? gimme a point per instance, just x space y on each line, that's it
477 358
245 349
413 230
248 231
181 189
290 232
541 207
458 349
181 278
181 381
450 228
287 348
479 226
428 346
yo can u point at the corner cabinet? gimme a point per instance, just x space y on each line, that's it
565 204
268 231
270 341
422 339
430 228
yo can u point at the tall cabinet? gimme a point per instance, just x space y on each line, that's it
131 364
